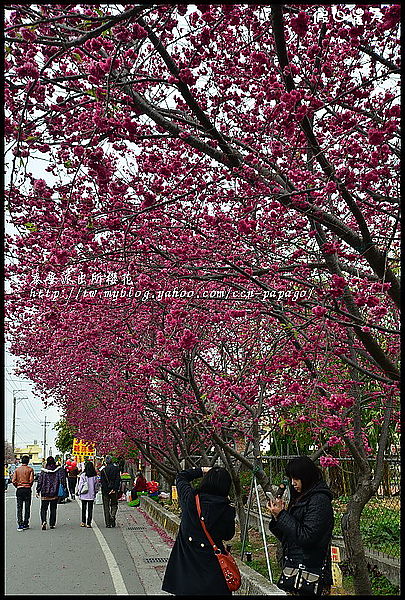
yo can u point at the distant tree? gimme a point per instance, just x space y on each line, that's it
64 439
9 455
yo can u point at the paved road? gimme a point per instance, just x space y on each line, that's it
129 559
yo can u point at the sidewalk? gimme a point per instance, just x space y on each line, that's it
148 544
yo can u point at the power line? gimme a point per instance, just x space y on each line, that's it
10 389
31 412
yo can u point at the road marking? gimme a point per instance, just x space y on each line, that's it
116 576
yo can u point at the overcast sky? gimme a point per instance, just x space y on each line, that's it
30 413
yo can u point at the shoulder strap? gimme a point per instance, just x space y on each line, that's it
326 558
201 518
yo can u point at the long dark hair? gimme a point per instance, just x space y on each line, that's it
89 469
305 469
216 481
50 463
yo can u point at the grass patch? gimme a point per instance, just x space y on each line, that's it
379 524
380 586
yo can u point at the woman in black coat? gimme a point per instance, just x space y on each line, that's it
193 569
305 527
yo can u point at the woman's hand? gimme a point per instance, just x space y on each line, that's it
276 506
205 469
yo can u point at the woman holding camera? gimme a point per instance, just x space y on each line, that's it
305 526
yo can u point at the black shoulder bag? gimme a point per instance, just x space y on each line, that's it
298 580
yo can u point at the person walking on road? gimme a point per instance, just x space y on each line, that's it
72 473
193 569
23 478
110 479
6 477
49 479
305 526
87 488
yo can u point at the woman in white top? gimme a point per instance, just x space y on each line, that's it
87 489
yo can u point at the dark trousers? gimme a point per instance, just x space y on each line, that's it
23 498
110 506
72 484
87 504
53 505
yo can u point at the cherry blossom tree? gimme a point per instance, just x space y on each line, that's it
207 166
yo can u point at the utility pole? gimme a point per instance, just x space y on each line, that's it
13 431
45 437
14 412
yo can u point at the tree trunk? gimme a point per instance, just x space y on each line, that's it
240 511
352 536
130 468
169 480
237 489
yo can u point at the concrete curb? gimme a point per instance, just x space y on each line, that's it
253 584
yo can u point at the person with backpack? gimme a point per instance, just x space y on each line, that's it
49 479
72 472
87 488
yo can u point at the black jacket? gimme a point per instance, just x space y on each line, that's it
193 568
110 478
305 529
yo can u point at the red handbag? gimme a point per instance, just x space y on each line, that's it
226 561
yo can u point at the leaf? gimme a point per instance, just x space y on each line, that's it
31 226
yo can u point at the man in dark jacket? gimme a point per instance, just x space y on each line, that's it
193 568
305 527
110 478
